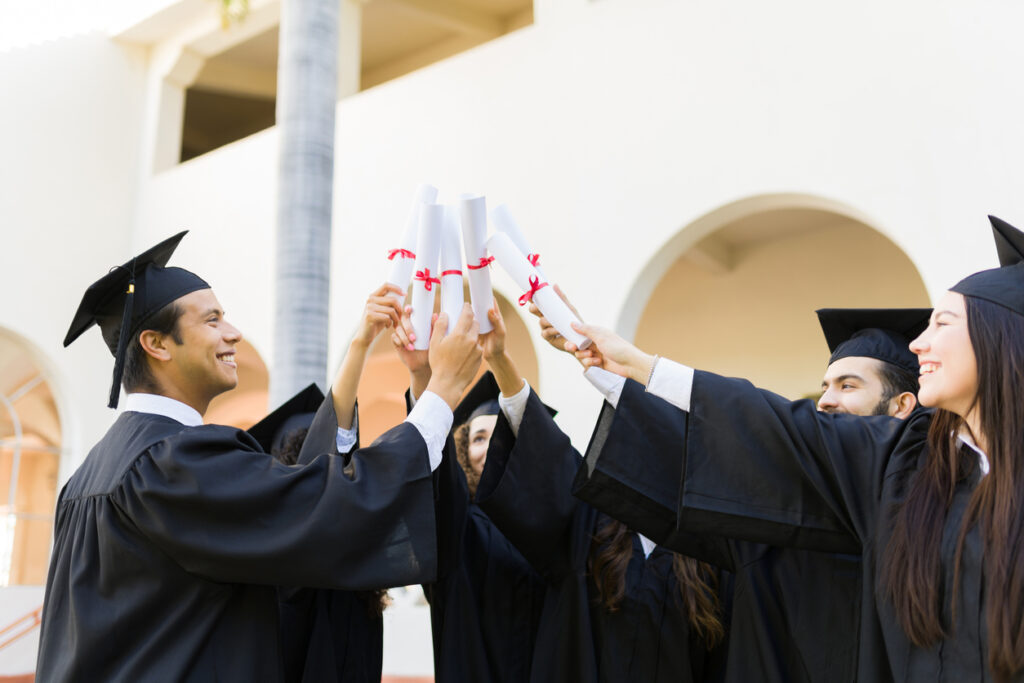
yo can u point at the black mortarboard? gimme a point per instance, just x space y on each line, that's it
482 399
140 288
1003 285
881 333
295 413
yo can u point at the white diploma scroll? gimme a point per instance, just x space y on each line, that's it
501 219
403 257
473 211
451 266
425 280
527 278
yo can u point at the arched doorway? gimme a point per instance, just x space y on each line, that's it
31 439
246 404
739 298
384 380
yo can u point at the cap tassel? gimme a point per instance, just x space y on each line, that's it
122 342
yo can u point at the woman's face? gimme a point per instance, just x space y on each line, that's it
949 370
480 429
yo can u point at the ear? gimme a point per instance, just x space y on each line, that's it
155 345
903 405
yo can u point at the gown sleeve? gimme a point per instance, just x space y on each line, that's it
762 468
632 472
526 488
223 510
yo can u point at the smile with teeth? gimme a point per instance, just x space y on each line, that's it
929 368
227 357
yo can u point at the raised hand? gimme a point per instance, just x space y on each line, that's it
381 312
402 338
613 353
454 358
547 330
493 343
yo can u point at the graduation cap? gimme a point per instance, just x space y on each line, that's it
123 299
881 333
482 399
295 413
1004 285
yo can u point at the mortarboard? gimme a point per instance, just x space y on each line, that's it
1004 285
295 413
482 399
881 333
123 299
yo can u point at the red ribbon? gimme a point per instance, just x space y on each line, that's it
484 262
424 277
534 259
450 272
535 286
404 253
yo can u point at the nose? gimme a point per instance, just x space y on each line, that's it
827 401
232 334
920 345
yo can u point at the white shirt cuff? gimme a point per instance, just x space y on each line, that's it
514 407
433 418
673 382
608 383
345 440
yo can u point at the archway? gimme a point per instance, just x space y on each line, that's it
31 438
738 297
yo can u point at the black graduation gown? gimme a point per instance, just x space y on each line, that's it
169 542
526 491
793 613
763 468
330 636
485 605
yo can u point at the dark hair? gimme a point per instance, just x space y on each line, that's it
376 600
610 551
896 380
462 455
136 369
911 566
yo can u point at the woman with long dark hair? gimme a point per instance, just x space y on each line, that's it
617 607
936 503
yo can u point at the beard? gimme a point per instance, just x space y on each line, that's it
882 407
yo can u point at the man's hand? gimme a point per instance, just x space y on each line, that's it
381 312
613 353
547 330
493 343
455 357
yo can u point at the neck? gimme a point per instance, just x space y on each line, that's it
170 389
973 421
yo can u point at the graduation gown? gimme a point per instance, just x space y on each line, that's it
526 491
763 468
169 543
486 603
793 612
330 636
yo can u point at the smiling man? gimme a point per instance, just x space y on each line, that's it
872 370
172 535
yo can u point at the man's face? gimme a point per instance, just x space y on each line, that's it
204 362
480 430
854 385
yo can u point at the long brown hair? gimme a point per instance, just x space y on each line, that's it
911 567
610 551
462 455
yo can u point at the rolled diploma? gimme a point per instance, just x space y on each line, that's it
401 266
427 251
550 304
502 219
451 259
473 211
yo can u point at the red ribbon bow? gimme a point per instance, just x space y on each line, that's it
534 259
535 286
424 277
484 262
404 253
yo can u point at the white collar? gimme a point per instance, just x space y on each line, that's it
647 544
156 404
967 439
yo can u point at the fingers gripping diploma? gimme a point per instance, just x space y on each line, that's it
613 353
454 358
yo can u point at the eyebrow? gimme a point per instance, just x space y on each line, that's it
938 313
843 378
212 311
